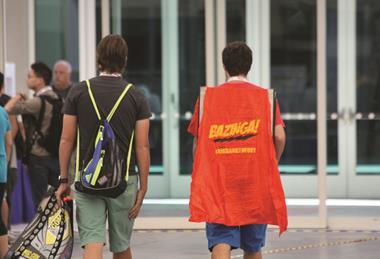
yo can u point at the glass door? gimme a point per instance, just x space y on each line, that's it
364 179
167 61
293 74
353 95
139 22
166 41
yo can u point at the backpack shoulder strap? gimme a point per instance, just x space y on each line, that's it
49 98
129 155
93 99
110 115
77 175
41 115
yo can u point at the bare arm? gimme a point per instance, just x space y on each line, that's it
14 125
65 149
22 130
195 141
67 143
279 141
8 144
143 162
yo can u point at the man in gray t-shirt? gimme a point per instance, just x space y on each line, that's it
132 115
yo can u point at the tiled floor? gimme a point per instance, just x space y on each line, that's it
150 210
294 244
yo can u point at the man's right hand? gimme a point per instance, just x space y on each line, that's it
63 190
22 96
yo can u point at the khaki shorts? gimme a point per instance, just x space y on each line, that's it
92 212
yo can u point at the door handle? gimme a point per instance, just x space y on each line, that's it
347 115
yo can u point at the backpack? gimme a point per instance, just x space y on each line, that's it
103 174
51 140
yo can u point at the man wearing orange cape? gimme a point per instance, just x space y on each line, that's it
238 140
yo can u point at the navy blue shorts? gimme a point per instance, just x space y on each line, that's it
250 238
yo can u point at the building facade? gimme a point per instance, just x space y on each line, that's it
175 47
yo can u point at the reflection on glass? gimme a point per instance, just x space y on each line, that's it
368 86
235 20
192 61
139 22
293 76
98 22
332 85
191 70
57 32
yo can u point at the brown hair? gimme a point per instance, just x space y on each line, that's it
237 58
112 53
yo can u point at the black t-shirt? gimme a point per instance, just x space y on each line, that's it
4 99
106 90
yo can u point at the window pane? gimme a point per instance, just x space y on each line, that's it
332 86
191 70
368 86
139 22
293 76
57 32
235 20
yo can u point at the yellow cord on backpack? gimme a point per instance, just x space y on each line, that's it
129 155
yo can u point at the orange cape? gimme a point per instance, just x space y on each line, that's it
235 178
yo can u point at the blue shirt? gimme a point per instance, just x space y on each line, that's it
4 128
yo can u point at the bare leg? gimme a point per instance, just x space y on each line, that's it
3 245
5 213
93 251
127 254
256 255
221 251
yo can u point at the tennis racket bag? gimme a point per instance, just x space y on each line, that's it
49 235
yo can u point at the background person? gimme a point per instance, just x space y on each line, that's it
61 85
62 78
43 167
5 154
12 166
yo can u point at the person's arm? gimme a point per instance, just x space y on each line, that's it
8 144
18 105
12 103
21 127
65 149
143 163
195 141
14 125
279 141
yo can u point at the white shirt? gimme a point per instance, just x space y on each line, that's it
43 90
